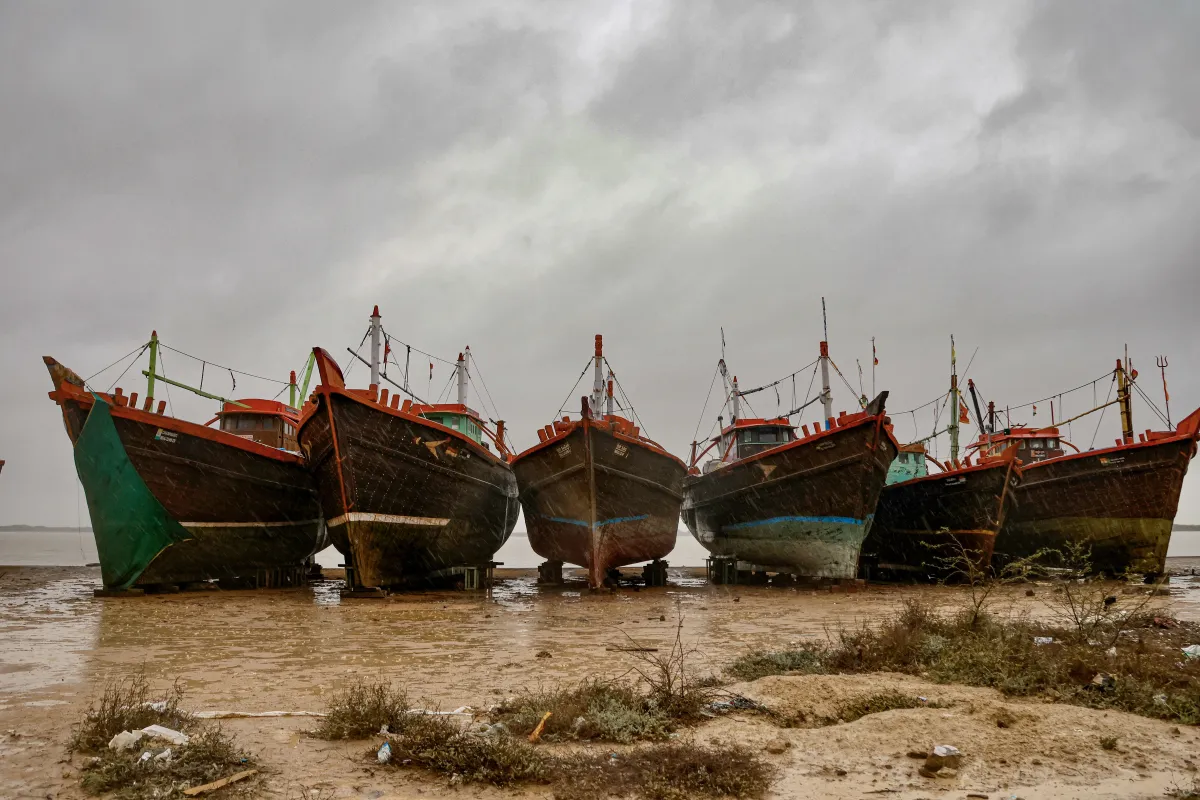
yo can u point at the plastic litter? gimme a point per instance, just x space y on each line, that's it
146 756
125 740
1040 640
384 753
383 730
165 755
159 732
1192 651
1160 699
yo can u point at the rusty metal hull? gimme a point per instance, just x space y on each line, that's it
1120 501
600 500
803 508
174 502
404 502
921 522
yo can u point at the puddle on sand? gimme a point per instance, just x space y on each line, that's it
281 650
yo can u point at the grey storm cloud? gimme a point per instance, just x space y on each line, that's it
250 178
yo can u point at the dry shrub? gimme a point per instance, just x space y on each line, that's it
437 744
671 771
668 679
809 659
209 755
360 709
126 704
591 710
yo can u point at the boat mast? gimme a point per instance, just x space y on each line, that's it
375 329
292 390
953 426
826 396
153 361
463 360
1124 400
598 380
308 368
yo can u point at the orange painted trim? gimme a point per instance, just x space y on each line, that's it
821 435
1121 448
68 392
990 464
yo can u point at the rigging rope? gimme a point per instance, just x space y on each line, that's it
571 393
122 375
138 350
707 397
1102 412
238 371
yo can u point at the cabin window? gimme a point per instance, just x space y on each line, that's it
904 458
1021 445
1052 444
1036 444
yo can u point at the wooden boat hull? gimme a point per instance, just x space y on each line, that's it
403 500
1121 501
600 500
925 519
803 508
173 502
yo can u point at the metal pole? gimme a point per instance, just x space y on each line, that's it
462 376
153 363
598 380
308 368
292 390
953 424
374 359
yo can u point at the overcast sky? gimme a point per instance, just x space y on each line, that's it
249 178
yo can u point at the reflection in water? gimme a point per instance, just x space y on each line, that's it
286 649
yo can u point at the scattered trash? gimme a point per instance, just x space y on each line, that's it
146 756
1192 651
383 729
1103 680
1160 699
541 726
943 756
165 755
736 702
159 732
923 699
125 740
159 705
1040 640
384 754
1111 652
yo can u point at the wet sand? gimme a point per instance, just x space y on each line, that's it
288 650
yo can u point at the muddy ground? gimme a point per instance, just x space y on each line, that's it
288 650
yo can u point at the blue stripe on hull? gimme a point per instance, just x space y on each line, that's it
599 524
776 520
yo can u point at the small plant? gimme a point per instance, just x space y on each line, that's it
438 745
361 709
593 709
969 568
664 772
1108 742
125 704
807 660
668 678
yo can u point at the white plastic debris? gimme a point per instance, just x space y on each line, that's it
1160 699
946 750
1192 651
1111 652
125 740
1040 640
146 756
383 730
165 755
384 754
159 732
159 705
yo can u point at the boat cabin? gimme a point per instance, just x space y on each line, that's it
456 417
1033 444
267 422
748 437
908 464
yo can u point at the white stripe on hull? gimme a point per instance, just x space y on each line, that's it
287 524
391 519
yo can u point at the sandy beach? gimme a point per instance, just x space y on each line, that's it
289 650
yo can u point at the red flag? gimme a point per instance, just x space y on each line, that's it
431 370
874 357
963 415
1035 411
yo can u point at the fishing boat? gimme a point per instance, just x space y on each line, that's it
176 502
599 493
787 499
411 492
926 523
1120 501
